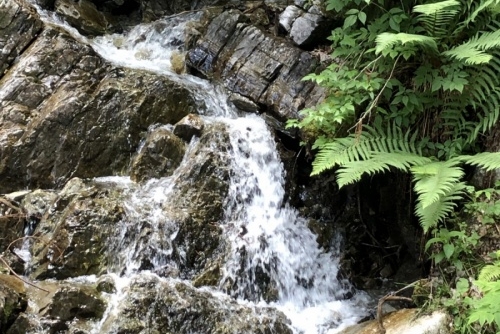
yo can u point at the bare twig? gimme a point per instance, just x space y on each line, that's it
374 103
19 277
7 203
391 297
48 244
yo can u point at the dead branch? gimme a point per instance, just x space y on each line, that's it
391 297
19 277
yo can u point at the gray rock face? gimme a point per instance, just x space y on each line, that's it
160 155
82 15
75 302
60 307
199 194
160 306
71 239
308 30
11 222
12 300
18 27
154 9
66 113
288 16
405 321
261 68
189 127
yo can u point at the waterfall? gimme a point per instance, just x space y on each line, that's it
274 258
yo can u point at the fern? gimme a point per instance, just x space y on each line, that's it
436 179
490 273
486 160
378 162
436 17
486 309
386 41
474 51
341 151
430 215
481 6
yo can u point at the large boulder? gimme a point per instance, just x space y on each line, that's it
406 321
12 219
84 16
199 195
72 237
66 113
12 300
154 9
19 26
70 302
262 68
170 306
60 307
160 155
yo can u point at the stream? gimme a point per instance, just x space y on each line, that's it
267 237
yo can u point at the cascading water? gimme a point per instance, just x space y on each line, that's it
274 256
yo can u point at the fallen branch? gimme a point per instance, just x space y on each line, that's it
391 297
19 277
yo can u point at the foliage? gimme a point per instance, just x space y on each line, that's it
454 246
473 303
485 205
413 87
485 310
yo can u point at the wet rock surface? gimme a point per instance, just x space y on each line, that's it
13 300
173 306
405 321
71 302
160 155
265 70
83 15
189 127
19 26
199 196
66 113
12 220
71 239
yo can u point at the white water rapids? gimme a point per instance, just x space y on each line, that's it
266 235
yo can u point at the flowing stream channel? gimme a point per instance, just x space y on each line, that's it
275 239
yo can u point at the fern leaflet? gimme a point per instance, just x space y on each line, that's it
378 162
386 41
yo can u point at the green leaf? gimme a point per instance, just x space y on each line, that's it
350 21
362 17
448 250
386 41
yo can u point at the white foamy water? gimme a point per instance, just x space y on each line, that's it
150 47
271 242
273 250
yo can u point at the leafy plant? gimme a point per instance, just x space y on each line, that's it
485 310
414 85
453 246
485 204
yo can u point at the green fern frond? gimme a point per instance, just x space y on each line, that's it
430 215
387 40
341 151
432 9
486 160
491 5
437 17
490 273
474 51
435 180
378 162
